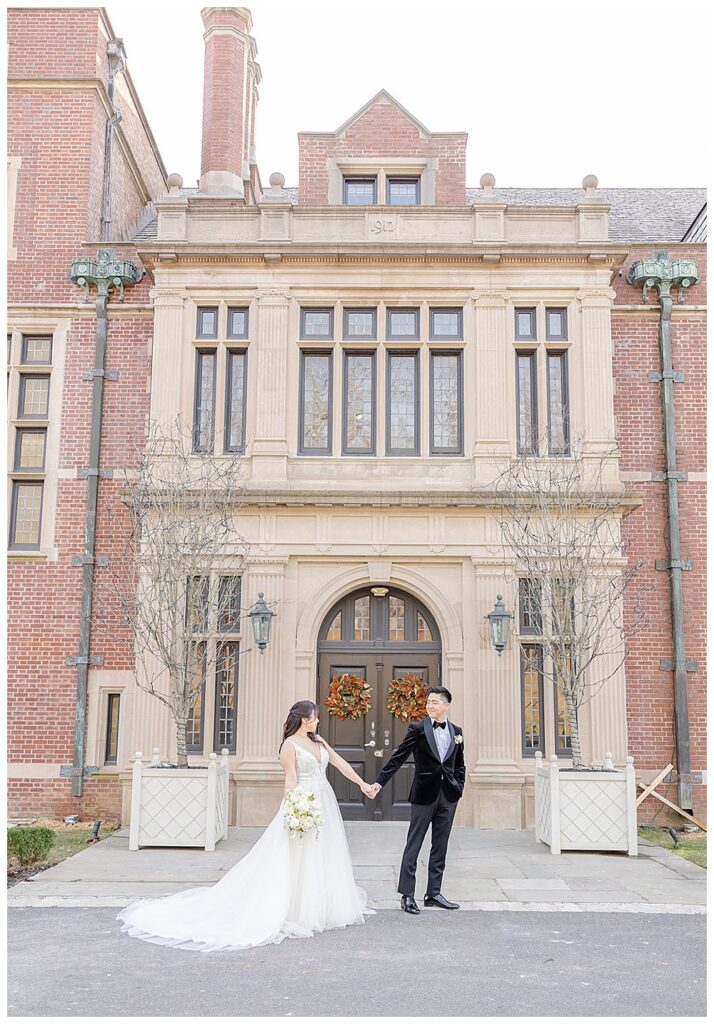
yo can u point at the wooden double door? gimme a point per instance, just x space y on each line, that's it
368 742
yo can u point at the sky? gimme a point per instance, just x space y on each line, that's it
547 91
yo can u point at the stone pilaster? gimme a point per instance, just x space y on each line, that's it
270 446
494 358
170 392
596 364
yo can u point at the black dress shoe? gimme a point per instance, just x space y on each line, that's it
409 905
440 901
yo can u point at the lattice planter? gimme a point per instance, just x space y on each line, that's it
179 806
585 810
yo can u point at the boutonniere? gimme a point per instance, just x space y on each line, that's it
459 738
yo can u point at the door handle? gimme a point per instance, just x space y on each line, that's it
372 743
386 737
379 753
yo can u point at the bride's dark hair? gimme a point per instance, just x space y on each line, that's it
303 709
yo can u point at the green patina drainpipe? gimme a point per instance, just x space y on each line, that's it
662 273
104 273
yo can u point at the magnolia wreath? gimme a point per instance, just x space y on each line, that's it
349 697
406 698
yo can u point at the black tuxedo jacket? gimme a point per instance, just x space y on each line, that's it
430 774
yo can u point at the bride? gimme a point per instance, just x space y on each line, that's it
284 886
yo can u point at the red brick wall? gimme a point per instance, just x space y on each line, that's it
383 131
638 410
59 135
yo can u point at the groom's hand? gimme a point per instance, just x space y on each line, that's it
373 790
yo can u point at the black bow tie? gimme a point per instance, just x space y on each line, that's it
439 725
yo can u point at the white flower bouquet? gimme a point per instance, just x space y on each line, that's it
302 812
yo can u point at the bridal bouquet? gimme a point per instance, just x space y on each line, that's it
302 812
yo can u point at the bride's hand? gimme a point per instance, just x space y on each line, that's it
366 789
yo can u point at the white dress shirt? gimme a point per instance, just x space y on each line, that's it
442 737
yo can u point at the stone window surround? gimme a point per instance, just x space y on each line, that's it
221 345
541 345
380 167
59 330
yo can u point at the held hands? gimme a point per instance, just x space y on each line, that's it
370 791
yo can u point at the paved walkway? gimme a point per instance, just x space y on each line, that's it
486 870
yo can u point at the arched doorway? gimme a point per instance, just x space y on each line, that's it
379 633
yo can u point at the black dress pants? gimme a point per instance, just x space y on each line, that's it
440 815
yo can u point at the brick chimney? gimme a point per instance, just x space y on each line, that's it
230 80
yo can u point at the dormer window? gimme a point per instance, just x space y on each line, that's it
402 191
360 191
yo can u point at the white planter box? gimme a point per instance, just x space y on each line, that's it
179 806
582 810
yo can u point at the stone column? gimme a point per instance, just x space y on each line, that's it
596 369
491 375
171 395
269 449
497 777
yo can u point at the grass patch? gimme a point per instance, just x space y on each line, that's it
68 840
691 846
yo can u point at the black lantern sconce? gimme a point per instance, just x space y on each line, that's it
261 617
499 625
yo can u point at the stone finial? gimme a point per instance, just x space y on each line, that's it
275 193
487 182
590 184
175 183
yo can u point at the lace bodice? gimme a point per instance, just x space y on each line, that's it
310 774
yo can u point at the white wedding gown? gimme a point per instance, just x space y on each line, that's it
282 887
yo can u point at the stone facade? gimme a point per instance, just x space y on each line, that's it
324 522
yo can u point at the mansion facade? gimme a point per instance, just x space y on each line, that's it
373 345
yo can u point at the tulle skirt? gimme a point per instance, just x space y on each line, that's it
283 887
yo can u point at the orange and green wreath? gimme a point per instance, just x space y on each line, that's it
406 698
349 697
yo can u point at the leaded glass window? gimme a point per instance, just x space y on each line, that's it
360 191
316 323
360 323
423 631
30 451
526 403
526 324
446 413
26 515
197 603
335 630
34 397
226 696
358 431
237 323
403 323
556 324
235 401
197 684
563 732
207 326
396 618
111 745
532 697
361 626
229 604
316 403
403 403
403 191
446 323
204 402
529 607
36 349
558 427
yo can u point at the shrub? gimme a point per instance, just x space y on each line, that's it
29 845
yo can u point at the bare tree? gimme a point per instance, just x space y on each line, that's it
176 578
560 529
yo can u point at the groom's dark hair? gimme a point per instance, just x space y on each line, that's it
441 691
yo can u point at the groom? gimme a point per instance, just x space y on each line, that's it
438 749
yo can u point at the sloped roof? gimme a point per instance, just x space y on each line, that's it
637 214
